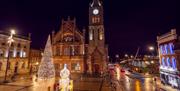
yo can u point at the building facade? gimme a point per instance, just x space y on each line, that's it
70 46
35 56
19 54
169 59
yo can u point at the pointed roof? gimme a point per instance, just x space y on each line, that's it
95 3
48 49
46 68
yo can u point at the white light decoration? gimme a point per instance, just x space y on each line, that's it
46 69
64 82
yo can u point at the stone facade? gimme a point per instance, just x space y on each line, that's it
19 54
70 47
169 58
35 59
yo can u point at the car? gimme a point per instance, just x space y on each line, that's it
122 70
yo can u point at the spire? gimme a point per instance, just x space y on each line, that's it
95 3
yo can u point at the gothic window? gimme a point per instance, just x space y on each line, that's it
100 35
72 50
68 39
75 66
76 50
91 35
66 51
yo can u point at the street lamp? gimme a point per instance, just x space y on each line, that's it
151 48
10 40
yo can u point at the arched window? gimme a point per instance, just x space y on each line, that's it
163 63
166 49
100 34
171 47
161 50
91 35
173 63
168 62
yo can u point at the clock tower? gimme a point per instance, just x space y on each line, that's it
97 49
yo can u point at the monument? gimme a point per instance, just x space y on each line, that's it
65 83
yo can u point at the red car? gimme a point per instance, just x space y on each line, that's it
122 70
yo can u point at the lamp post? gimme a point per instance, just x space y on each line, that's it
10 40
151 48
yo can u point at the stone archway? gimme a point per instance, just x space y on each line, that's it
96 61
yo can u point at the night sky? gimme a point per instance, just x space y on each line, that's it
128 23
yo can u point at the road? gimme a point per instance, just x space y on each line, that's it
126 81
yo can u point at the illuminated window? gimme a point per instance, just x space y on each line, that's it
163 63
171 47
91 35
66 51
168 62
166 49
173 63
100 35
161 49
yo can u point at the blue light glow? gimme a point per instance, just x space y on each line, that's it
163 63
174 63
168 62
166 49
171 46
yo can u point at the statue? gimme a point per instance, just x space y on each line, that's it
64 80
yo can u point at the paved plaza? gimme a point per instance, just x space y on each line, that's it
80 83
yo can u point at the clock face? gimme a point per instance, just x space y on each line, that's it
95 11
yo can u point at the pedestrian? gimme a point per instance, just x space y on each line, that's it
155 79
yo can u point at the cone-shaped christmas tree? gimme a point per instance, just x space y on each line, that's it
46 69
